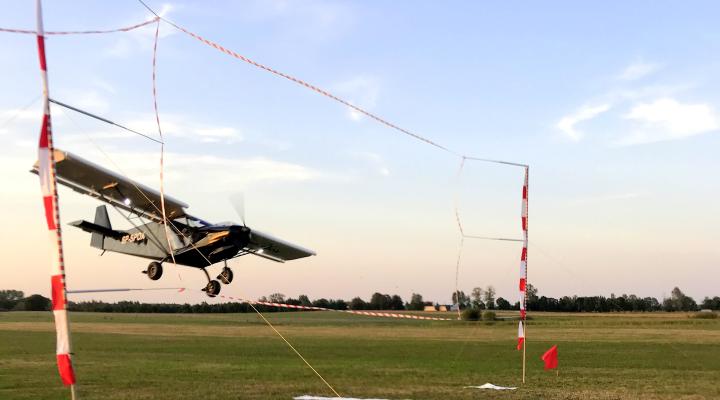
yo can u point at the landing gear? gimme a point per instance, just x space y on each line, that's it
226 276
213 288
154 270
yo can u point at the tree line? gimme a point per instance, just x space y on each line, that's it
479 298
678 301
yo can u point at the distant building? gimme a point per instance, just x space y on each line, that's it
430 308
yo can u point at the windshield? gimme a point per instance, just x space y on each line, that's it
192 222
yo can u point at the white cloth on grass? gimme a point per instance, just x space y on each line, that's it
306 397
490 386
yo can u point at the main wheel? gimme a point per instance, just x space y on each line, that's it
154 270
226 276
213 288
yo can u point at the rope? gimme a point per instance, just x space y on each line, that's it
493 238
69 107
301 82
82 291
295 350
171 250
457 275
19 111
125 29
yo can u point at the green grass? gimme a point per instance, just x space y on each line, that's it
236 356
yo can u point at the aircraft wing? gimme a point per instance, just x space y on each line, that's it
91 179
270 247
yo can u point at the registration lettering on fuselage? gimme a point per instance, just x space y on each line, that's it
133 237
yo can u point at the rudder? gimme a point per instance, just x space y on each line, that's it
101 218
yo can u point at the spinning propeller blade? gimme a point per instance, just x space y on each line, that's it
238 202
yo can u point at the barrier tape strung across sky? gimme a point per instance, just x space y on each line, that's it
278 305
124 29
356 312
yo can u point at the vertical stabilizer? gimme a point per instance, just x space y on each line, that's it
101 218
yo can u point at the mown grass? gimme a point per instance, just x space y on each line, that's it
236 356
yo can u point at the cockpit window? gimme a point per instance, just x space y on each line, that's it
192 221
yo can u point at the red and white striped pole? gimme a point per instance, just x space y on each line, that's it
523 270
48 184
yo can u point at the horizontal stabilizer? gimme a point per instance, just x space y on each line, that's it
95 228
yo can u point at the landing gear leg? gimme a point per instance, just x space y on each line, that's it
226 276
212 289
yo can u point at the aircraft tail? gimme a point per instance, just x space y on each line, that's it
141 241
101 219
100 229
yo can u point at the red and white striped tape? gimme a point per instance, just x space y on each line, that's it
124 29
366 313
48 185
523 257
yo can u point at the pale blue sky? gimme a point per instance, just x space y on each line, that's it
615 105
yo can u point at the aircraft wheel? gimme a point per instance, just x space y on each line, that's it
154 270
213 288
226 276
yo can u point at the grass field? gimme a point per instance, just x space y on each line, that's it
236 356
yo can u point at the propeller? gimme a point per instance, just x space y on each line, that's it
238 202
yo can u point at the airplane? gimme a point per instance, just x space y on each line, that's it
193 242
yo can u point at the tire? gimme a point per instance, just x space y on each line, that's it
213 288
155 270
226 276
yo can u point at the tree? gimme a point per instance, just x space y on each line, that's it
323 303
396 303
358 304
532 297
678 301
416 302
33 303
711 304
304 300
503 304
380 301
277 298
459 297
338 304
476 296
489 297
9 298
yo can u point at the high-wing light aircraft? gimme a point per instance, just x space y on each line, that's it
192 241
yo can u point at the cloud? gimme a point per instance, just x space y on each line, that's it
182 127
361 91
217 134
204 173
9 115
601 198
375 161
638 70
667 119
567 123
89 100
141 39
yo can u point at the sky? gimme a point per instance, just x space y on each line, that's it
614 105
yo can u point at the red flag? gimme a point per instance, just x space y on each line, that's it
551 358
